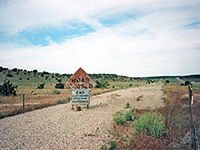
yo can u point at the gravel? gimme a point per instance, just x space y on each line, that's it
59 127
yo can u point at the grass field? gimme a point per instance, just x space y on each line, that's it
28 82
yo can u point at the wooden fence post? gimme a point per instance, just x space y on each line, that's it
23 104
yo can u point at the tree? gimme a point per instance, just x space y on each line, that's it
41 86
8 88
187 83
59 86
35 71
167 81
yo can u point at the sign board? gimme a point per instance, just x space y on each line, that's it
80 80
80 85
81 97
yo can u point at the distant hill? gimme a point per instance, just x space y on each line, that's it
32 78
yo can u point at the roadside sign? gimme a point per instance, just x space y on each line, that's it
80 85
80 80
81 97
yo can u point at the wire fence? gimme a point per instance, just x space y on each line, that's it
194 134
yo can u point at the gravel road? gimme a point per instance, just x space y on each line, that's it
59 127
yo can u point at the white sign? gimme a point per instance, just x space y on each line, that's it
81 97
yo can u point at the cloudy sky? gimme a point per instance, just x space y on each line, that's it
126 37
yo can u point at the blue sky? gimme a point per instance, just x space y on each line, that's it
134 38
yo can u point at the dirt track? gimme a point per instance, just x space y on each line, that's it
59 127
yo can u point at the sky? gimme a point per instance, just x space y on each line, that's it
124 37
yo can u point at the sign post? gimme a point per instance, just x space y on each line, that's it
80 85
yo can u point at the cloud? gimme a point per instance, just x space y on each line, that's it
148 38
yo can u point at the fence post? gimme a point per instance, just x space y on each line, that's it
23 104
194 136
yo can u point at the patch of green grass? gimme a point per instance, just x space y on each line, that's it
139 97
56 92
127 105
112 145
119 117
150 123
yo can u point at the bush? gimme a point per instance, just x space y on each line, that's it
41 86
119 117
127 105
8 88
68 98
102 84
9 75
56 92
113 145
59 86
128 116
78 108
150 123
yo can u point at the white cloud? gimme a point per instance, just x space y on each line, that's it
22 15
153 44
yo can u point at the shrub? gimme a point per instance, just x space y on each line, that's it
119 117
78 108
132 144
130 85
167 81
139 97
68 98
128 116
8 88
59 80
152 123
9 75
56 92
127 105
59 86
60 102
41 86
102 84
113 145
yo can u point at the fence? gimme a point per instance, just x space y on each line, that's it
194 134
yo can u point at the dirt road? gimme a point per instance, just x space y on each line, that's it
59 127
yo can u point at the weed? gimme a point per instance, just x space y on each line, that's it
138 99
128 116
113 145
127 105
152 123
85 134
56 92
78 108
103 146
119 117
68 98
132 144
59 102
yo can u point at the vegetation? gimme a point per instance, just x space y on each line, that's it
8 88
127 105
59 86
139 97
150 123
56 92
78 108
41 86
